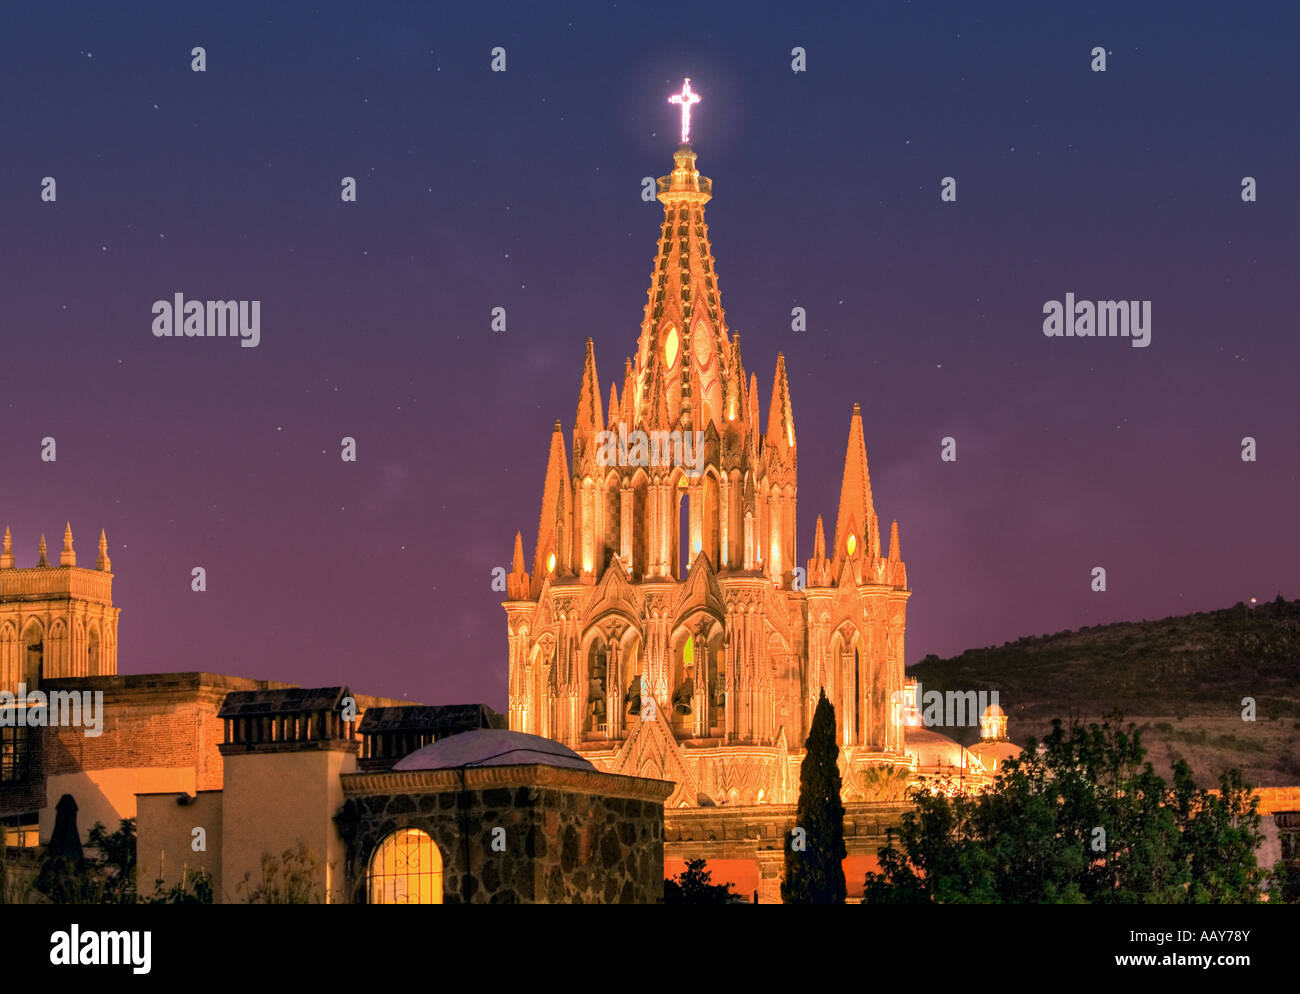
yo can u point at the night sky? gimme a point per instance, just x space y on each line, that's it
522 190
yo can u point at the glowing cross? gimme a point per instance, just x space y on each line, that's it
685 98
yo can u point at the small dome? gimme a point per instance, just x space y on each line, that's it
993 711
492 747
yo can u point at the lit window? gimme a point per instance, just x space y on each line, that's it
405 869
550 563
852 544
670 348
688 652
13 754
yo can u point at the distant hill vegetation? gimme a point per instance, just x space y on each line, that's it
1181 679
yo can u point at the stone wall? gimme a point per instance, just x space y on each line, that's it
570 836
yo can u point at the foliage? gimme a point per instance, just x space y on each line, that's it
1084 820
194 887
814 861
112 875
15 888
291 878
695 886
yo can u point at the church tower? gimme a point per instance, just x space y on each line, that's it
668 628
56 621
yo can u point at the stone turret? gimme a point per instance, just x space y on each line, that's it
56 621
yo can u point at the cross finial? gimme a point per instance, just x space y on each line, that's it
686 98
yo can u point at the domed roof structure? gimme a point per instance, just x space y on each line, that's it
930 749
994 753
492 747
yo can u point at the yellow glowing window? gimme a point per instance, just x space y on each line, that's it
550 563
405 869
682 484
853 544
670 348
688 652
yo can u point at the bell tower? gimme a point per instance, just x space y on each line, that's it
56 621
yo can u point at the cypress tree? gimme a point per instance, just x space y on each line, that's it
814 849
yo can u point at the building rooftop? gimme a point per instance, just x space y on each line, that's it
440 719
288 700
492 747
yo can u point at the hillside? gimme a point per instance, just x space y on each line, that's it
1181 679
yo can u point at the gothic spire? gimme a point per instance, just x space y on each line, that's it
67 557
102 562
819 567
751 416
42 561
736 409
780 416
7 556
552 552
855 526
684 325
590 419
630 412
613 407
517 581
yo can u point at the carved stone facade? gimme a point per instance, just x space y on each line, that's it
666 629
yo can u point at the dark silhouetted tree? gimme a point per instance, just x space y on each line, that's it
695 886
814 848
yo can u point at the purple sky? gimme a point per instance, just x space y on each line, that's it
522 189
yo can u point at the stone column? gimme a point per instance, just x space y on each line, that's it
626 503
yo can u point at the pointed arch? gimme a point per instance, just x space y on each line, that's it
611 494
10 657
33 664
641 525
58 651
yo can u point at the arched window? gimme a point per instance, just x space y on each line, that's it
405 869
34 661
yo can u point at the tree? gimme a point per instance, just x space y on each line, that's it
1086 820
695 886
814 848
112 875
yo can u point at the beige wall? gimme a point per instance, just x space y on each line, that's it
165 839
272 801
108 795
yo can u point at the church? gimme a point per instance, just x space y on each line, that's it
666 652
667 627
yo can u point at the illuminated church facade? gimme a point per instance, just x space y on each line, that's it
667 627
